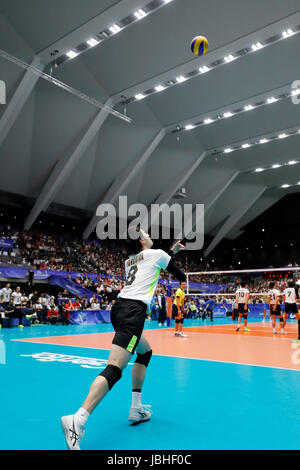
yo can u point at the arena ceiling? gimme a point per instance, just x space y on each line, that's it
59 149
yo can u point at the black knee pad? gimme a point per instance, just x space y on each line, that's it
112 375
144 358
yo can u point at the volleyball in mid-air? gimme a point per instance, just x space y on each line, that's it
199 45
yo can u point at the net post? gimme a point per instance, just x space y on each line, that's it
169 305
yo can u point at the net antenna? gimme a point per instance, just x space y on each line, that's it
239 271
64 86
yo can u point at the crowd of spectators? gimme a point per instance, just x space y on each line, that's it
43 308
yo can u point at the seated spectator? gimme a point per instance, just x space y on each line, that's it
77 304
95 305
24 300
85 304
64 314
39 310
52 315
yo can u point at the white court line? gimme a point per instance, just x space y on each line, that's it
168 355
175 357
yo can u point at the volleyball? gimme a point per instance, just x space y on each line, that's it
199 45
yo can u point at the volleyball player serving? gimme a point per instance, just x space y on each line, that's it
127 317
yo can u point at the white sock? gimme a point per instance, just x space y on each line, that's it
136 399
83 415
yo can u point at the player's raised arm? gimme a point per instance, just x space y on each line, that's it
172 268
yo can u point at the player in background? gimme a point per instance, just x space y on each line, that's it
290 303
128 316
242 299
209 308
274 306
266 307
178 310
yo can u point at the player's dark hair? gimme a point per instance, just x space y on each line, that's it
272 284
243 283
291 284
133 247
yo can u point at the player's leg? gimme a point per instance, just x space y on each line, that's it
117 361
180 326
246 322
274 324
74 425
239 321
138 412
283 318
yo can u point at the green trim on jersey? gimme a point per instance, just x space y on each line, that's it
152 285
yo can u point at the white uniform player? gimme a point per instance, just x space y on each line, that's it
6 293
128 316
142 275
16 296
242 297
290 301
275 310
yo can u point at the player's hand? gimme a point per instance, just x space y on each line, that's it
177 247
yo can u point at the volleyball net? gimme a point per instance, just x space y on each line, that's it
221 287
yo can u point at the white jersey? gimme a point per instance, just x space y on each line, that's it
241 295
5 293
290 295
273 294
142 274
16 296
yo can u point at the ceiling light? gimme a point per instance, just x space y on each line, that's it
208 121
180 79
248 107
292 162
257 46
189 127
167 1
296 92
204 69
258 170
229 58
272 100
276 166
139 96
140 13
227 115
115 29
92 42
72 54
228 150
245 146
282 136
160 88
288 33
263 141
285 186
